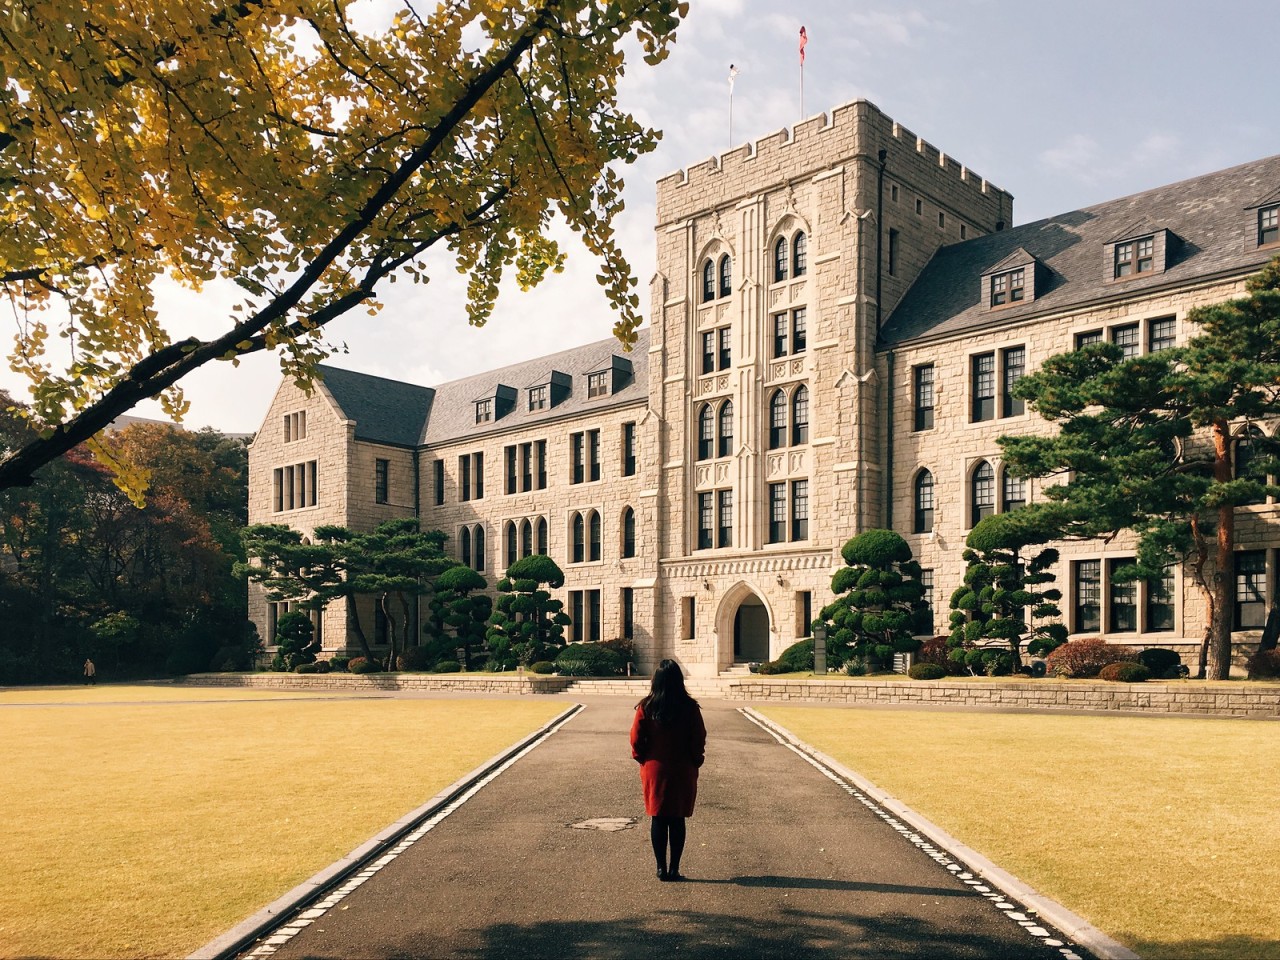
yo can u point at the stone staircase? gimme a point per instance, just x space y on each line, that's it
639 687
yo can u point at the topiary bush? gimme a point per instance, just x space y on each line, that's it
797 658
364 665
542 666
322 666
339 663
770 667
1264 665
1084 658
305 668
1124 671
936 650
1159 660
413 658
589 660
448 666
926 671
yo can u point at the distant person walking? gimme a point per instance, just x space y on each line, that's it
668 740
90 671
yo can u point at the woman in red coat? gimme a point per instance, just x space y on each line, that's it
669 741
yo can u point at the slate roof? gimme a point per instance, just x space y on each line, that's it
453 413
1209 214
385 411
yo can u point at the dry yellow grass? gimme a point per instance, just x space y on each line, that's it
1160 831
145 829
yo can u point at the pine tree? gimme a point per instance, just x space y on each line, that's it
528 623
460 605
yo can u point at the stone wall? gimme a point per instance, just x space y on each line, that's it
380 683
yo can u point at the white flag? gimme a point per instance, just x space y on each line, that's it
733 72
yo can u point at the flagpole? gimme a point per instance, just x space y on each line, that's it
804 39
733 72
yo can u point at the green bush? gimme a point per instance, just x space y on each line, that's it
542 666
305 668
363 665
770 667
1124 671
926 671
339 663
1264 665
589 660
1159 660
322 666
448 666
797 658
414 658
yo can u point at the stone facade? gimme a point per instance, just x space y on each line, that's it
770 407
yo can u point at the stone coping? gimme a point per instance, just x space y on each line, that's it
1188 698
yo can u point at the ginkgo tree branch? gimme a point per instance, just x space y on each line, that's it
167 365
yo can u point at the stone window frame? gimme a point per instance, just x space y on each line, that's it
924 396
724 429
1154 607
381 480
923 501
982 491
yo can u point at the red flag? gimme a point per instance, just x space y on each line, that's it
804 38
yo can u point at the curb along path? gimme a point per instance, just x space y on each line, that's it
552 858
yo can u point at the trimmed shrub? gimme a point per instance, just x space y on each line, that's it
589 660
1124 671
305 668
1084 658
798 657
339 663
542 666
413 658
1159 660
937 651
770 667
1264 665
622 647
926 671
322 666
448 666
362 665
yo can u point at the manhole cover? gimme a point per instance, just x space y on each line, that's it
607 824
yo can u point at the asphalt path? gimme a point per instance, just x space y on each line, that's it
781 861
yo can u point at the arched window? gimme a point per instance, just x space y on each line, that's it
800 416
726 429
542 536
983 501
1013 492
579 539
778 420
799 255
526 538
1248 442
708 281
594 527
479 534
780 260
924 502
509 535
628 532
706 431
464 545
726 276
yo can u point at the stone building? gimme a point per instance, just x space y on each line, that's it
837 315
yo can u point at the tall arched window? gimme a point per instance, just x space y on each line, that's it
1250 439
579 539
628 532
800 416
706 431
594 541
509 535
778 420
1013 492
726 429
983 501
526 538
708 281
780 260
479 534
799 255
542 536
726 276
924 502
464 546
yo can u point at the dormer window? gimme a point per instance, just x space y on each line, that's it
1135 256
1269 225
496 405
598 384
538 397
1007 288
726 276
484 411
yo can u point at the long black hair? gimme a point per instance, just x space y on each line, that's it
668 699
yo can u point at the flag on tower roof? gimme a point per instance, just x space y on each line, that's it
804 38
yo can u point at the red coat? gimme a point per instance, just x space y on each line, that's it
669 755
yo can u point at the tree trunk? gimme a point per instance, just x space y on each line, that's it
390 662
353 626
1219 660
1197 570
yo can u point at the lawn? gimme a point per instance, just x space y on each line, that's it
1161 831
137 827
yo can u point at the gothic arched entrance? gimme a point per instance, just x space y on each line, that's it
751 631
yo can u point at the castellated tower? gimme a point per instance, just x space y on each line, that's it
776 262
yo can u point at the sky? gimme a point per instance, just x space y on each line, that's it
1061 104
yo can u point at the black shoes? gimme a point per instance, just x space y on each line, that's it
669 876
662 873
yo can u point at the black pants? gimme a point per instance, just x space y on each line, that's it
661 831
